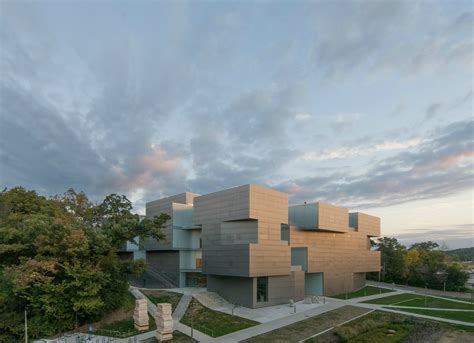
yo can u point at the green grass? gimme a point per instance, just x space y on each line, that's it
177 337
159 297
213 323
418 300
366 291
123 328
308 327
374 328
455 315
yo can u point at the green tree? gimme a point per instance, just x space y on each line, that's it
457 277
426 246
58 259
392 259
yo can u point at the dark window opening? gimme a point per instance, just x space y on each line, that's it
285 233
262 289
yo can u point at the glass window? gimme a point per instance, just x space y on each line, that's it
262 289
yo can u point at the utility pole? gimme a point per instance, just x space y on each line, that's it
26 328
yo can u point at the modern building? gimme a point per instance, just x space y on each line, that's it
256 251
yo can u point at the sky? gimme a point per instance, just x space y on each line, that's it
363 104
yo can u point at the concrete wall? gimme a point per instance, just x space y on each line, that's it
359 280
365 223
337 255
283 288
164 261
237 290
333 218
155 208
261 251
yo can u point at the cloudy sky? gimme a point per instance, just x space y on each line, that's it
365 104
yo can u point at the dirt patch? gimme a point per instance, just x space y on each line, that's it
122 313
456 337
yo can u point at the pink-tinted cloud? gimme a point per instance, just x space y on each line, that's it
150 169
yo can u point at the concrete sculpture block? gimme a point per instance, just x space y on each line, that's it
140 315
164 322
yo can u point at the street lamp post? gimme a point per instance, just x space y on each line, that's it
26 327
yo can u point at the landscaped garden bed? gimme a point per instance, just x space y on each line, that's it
420 300
177 337
160 296
213 323
366 291
306 328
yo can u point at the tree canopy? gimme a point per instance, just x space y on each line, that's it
58 259
421 265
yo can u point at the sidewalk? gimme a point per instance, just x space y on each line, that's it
278 323
181 308
197 335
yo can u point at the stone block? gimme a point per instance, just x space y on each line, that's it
164 322
140 315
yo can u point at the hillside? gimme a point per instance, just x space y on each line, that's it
463 254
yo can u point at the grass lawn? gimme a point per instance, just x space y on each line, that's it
418 300
214 323
366 291
177 337
158 297
308 327
375 327
455 315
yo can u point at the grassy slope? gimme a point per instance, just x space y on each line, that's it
418 300
308 327
455 315
214 323
374 328
158 297
366 291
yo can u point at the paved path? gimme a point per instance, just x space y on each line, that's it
197 335
421 290
278 323
429 308
182 306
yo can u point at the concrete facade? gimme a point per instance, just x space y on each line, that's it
257 251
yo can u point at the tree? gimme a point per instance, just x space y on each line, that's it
393 259
456 278
58 259
425 246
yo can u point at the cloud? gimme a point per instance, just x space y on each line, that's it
395 36
346 121
457 236
350 152
441 165
302 116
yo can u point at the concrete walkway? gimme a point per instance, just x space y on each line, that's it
182 306
197 335
430 308
278 323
